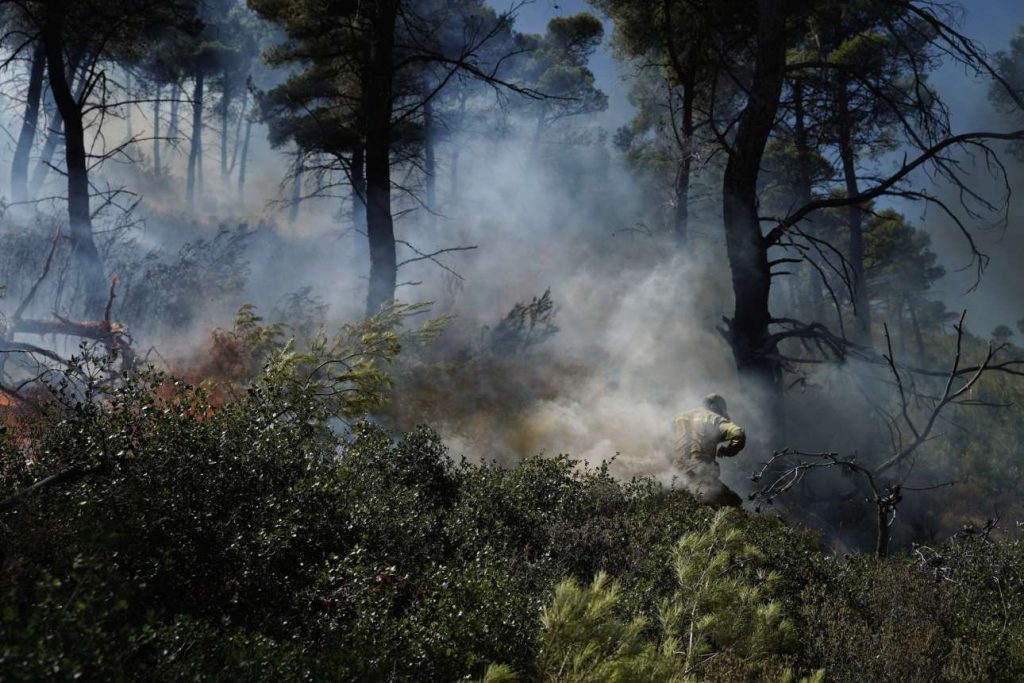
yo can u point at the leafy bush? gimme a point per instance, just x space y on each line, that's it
190 538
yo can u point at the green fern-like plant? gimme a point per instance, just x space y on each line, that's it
720 624
723 603
584 641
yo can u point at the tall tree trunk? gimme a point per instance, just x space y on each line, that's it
225 108
685 72
453 170
55 132
27 137
195 154
238 130
681 224
358 188
916 324
802 144
882 528
855 215
172 122
245 159
79 215
378 98
128 109
293 209
811 300
749 328
156 130
429 161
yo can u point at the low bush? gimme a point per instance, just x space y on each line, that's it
185 538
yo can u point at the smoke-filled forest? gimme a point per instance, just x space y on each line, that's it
426 340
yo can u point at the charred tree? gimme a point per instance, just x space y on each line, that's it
358 173
245 158
293 208
225 112
87 256
749 329
172 122
855 214
429 161
378 98
195 153
29 123
156 130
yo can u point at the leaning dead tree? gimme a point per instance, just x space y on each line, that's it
884 481
110 334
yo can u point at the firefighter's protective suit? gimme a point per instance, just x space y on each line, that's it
701 435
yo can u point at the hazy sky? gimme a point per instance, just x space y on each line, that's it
992 22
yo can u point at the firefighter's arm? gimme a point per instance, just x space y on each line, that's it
733 440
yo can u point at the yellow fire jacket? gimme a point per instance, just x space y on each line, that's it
702 435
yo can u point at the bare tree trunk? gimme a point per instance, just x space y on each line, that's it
54 132
128 109
749 329
56 127
225 107
916 324
681 227
156 131
245 159
802 144
195 154
883 530
429 161
378 100
238 130
27 137
172 123
856 217
453 170
811 300
358 188
79 214
293 209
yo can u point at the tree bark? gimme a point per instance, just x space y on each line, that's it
453 171
225 107
172 122
378 96
681 226
883 530
54 132
916 325
429 161
811 299
358 188
293 209
79 215
847 153
803 147
245 158
238 130
27 137
195 153
156 131
748 330
56 128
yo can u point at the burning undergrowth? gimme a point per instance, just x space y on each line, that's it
596 367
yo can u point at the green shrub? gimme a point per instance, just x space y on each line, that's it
194 538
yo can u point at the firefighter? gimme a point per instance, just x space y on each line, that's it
701 435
